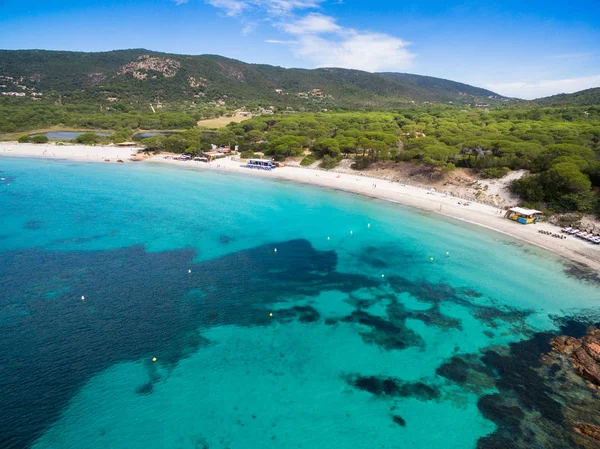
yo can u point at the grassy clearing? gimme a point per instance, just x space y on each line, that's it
221 122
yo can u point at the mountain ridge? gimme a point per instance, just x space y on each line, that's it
145 75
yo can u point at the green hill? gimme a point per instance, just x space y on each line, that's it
588 97
141 76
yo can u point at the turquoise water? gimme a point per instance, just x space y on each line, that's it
181 265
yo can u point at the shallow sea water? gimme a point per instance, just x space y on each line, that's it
361 322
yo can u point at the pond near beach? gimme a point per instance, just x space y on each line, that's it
69 135
141 136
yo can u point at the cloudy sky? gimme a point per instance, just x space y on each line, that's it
518 48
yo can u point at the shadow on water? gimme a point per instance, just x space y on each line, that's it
137 305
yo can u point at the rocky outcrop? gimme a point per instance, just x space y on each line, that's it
588 430
168 67
584 352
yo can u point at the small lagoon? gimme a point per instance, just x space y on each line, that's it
141 136
70 135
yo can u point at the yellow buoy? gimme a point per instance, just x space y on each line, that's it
154 359
271 314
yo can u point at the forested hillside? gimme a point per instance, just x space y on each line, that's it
141 76
588 97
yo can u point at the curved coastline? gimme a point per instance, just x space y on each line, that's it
489 217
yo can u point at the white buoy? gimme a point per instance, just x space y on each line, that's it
328 238
189 271
275 249
350 232
83 298
447 253
383 275
369 225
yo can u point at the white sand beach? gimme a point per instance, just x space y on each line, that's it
68 151
572 248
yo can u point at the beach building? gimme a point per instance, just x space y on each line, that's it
212 155
523 215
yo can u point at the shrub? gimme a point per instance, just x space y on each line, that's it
329 162
40 138
494 172
247 154
87 138
361 163
307 160
25 139
449 167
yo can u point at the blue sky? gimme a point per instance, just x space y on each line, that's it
519 48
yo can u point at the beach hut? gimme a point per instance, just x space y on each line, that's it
212 155
523 215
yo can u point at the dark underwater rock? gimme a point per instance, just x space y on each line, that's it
304 314
390 334
399 420
394 387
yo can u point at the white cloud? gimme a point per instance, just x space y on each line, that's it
545 88
372 52
180 2
272 7
318 38
313 23
323 42
231 7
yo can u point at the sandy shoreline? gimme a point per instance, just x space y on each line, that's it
67 151
490 217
